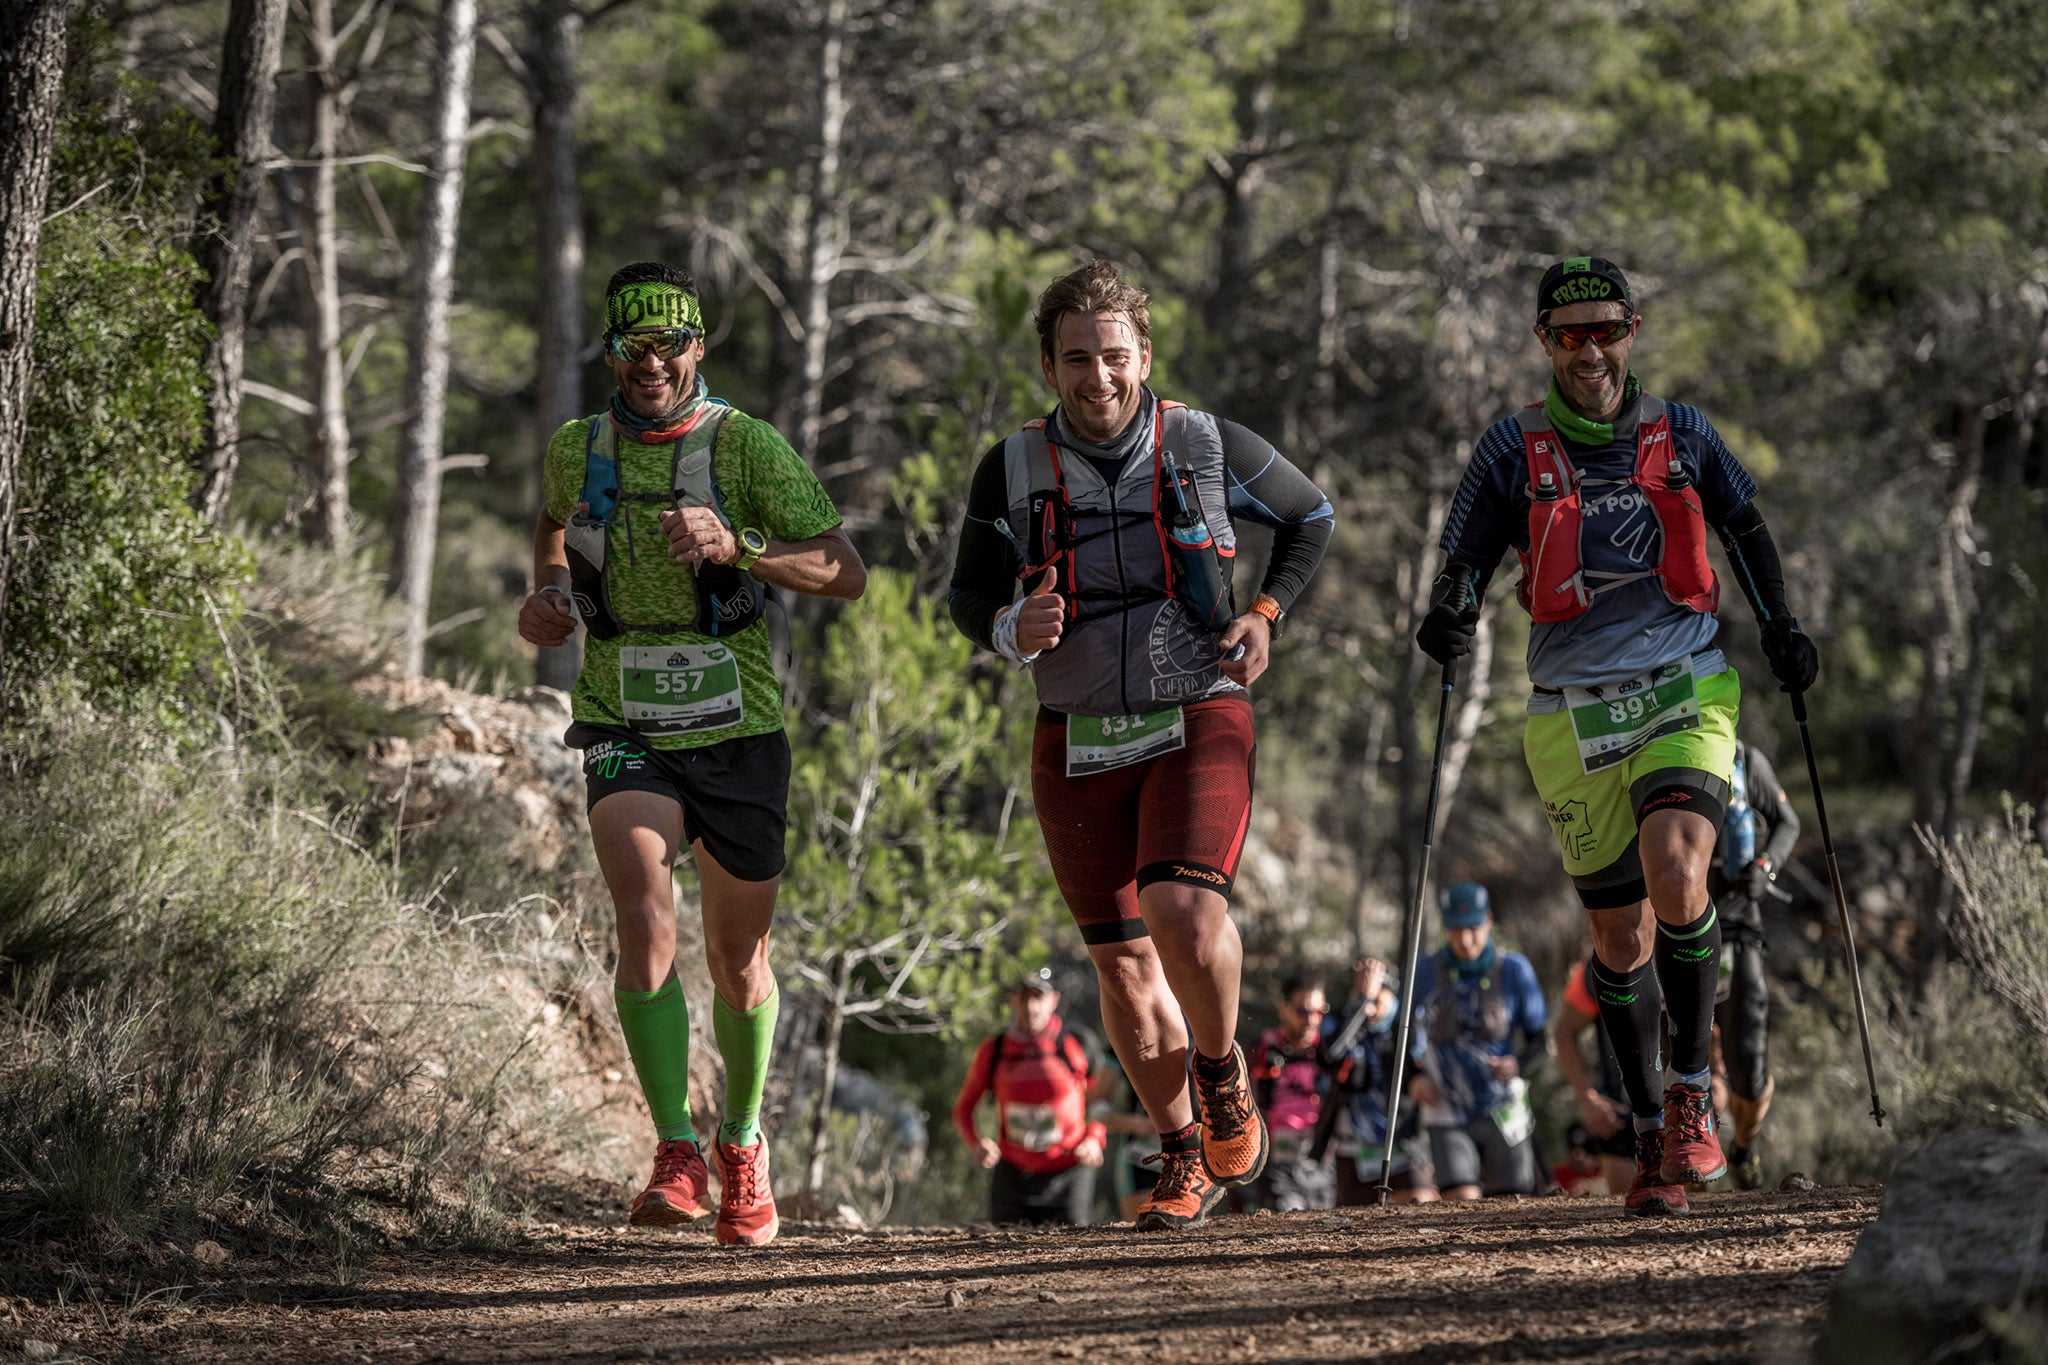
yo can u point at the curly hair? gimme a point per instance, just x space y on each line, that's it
1095 288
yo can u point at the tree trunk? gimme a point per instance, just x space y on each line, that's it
1946 726
241 142
1475 679
810 1200
555 37
1241 177
822 238
330 453
416 507
31 81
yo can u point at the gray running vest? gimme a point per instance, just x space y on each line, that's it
1129 646
728 601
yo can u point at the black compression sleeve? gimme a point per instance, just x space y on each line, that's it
1754 556
1265 487
985 568
1775 808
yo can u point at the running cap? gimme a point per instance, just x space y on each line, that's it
1466 906
1583 279
1039 981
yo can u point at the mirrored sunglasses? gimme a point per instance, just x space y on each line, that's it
1573 335
667 344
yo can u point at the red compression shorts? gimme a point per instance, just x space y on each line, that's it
1180 817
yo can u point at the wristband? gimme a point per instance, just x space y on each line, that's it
1004 636
556 588
1271 610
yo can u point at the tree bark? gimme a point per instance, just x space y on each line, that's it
31 83
1241 177
241 139
824 217
325 373
416 507
555 38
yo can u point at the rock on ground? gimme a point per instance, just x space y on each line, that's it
1959 1242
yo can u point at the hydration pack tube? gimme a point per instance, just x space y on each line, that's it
727 601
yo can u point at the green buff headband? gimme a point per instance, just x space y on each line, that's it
652 304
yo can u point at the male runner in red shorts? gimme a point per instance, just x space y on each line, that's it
1114 514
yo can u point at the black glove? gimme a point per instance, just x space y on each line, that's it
1453 618
1794 662
1756 881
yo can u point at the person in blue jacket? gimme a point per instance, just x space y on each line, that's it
1480 1019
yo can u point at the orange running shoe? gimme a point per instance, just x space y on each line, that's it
1650 1194
746 1203
676 1193
1233 1133
1183 1196
1692 1154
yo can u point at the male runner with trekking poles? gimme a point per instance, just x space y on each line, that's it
1113 515
1757 835
664 517
1606 493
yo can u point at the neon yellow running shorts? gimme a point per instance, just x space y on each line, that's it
1593 815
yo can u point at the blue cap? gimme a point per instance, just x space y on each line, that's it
1466 906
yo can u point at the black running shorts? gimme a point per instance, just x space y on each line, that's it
734 794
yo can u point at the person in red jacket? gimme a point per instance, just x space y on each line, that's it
1043 1156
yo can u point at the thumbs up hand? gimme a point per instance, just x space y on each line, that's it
1041 616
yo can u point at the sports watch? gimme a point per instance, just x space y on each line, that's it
752 546
1275 616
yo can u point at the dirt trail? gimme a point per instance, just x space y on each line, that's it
1745 1278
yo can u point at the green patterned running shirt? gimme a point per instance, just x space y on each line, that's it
765 485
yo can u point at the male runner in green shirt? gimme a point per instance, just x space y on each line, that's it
663 517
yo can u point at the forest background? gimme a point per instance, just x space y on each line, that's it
250 990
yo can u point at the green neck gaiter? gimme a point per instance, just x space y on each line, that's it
1577 429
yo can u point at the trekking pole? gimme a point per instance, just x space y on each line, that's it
1413 944
1827 844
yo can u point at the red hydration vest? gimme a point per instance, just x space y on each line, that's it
1554 583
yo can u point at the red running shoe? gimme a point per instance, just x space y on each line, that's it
1692 1154
676 1193
746 1204
1233 1132
1183 1196
1650 1194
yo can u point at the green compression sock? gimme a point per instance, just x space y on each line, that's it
744 1041
657 1027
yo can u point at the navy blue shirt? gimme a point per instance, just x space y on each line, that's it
1631 628
1465 1014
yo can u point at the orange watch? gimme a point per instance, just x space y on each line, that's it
1271 610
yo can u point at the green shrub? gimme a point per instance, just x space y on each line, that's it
116 583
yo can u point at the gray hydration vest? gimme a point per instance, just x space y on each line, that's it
728 601
1129 644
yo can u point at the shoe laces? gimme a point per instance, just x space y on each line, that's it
1649 1153
1178 1172
674 1158
1227 1104
743 1175
1695 1121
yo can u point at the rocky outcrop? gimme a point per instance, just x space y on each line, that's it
1956 1266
